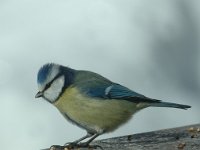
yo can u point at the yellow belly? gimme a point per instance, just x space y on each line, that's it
95 114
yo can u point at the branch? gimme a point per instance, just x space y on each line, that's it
181 138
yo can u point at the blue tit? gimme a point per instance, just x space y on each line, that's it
91 101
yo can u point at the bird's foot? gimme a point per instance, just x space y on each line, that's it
73 146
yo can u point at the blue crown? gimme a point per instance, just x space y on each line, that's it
43 72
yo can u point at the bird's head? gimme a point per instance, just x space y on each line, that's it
51 81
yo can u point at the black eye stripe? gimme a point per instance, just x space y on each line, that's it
49 84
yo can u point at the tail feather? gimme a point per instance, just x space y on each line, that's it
167 104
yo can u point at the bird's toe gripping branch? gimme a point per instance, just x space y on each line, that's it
75 146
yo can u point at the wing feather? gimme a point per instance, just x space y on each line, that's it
108 90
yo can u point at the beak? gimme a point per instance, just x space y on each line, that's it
39 94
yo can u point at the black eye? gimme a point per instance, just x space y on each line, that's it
47 85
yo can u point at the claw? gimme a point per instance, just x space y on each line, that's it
56 147
73 146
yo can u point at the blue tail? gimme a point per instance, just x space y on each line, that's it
167 104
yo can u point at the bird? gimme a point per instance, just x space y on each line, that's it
91 101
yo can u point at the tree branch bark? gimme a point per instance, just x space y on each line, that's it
181 138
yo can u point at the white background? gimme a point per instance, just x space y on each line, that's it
151 47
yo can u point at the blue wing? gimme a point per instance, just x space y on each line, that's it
114 91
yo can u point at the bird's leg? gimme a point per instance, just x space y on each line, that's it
86 144
91 139
75 143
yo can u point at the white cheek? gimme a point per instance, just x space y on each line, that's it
53 92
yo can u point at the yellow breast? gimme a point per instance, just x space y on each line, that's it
95 114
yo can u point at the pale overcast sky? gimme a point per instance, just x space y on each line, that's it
151 47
